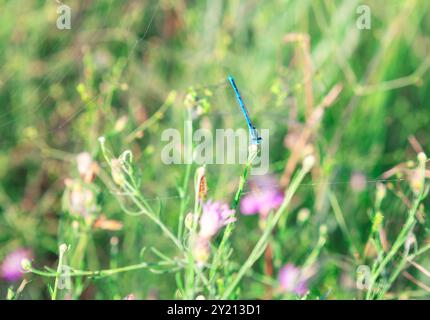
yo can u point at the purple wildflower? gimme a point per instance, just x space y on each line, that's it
358 182
292 280
215 216
11 269
265 196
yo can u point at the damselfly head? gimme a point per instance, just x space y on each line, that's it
255 136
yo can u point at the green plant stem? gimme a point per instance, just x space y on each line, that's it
146 210
57 275
242 181
262 242
400 240
158 222
79 253
317 249
342 224
401 267
184 188
229 227
98 273
183 197
154 118
138 200
192 266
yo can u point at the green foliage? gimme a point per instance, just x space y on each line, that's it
127 70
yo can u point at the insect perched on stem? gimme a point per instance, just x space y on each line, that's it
255 137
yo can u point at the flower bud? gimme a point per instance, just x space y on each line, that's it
323 230
117 173
416 180
63 248
308 162
303 215
422 158
25 264
201 250
120 124
188 221
202 186
377 221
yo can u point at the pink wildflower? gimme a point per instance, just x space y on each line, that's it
292 280
11 269
215 216
265 196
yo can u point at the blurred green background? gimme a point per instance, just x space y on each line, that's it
114 69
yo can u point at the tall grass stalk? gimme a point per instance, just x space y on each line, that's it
271 224
221 250
62 250
379 267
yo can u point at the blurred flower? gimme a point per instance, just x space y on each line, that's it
308 162
358 181
87 168
265 196
129 297
11 269
416 180
83 161
106 224
292 280
63 248
346 281
25 265
153 294
293 135
120 124
422 158
303 215
80 198
201 250
381 191
215 216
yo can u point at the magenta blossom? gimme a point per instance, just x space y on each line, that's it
11 269
215 216
265 196
292 280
